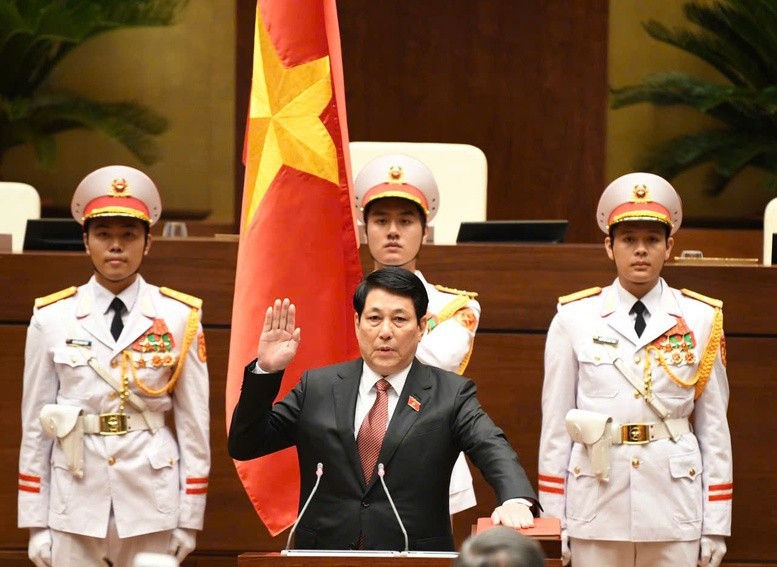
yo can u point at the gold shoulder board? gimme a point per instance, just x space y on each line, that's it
703 298
56 296
582 294
189 300
455 291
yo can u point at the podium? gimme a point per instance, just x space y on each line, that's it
255 559
271 559
547 531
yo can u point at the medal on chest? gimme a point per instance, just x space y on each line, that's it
677 345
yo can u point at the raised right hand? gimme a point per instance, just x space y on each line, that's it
280 339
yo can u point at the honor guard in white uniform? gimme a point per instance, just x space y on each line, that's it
109 367
635 451
396 197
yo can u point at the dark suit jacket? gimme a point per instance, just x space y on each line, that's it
418 453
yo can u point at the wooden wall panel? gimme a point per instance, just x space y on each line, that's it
508 371
517 285
202 266
12 363
524 81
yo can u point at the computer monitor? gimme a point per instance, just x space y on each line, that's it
513 231
53 234
774 249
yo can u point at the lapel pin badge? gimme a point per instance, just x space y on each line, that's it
414 403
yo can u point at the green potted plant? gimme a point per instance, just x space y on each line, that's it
35 35
739 39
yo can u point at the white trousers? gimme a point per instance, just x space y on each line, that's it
602 553
69 550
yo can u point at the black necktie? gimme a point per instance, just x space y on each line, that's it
117 325
639 322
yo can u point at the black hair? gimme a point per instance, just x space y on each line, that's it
667 230
419 209
394 280
500 547
88 222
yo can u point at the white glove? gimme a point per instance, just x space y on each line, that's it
566 555
182 543
713 548
513 515
39 548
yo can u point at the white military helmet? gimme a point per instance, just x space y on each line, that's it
396 175
116 191
639 197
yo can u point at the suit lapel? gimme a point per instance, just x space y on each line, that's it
93 322
660 321
344 392
418 385
616 317
664 319
140 318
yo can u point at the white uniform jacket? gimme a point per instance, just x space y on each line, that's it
657 491
152 481
447 345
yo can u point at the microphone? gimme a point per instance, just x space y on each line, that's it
319 474
381 473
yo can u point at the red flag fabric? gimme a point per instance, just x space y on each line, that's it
297 236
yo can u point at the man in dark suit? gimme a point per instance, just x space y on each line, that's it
427 415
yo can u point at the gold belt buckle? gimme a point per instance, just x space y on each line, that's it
113 423
635 433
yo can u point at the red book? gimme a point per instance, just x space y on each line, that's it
543 527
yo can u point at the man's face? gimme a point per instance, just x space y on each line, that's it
394 232
639 250
116 246
388 331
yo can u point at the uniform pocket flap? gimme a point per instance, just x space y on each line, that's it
579 463
59 464
594 355
685 466
68 356
161 459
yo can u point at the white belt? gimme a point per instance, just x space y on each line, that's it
639 433
121 423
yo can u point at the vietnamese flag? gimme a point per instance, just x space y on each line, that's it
297 236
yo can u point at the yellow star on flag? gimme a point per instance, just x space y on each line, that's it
285 127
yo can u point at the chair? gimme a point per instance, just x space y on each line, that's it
18 202
770 228
461 172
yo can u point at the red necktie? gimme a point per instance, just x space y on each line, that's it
373 429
